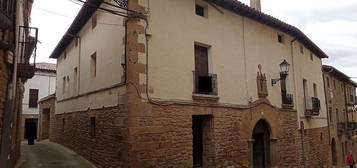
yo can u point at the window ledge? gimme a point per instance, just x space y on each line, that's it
205 97
287 106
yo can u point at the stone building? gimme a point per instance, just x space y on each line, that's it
17 48
341 99
41 85
47 111
189 83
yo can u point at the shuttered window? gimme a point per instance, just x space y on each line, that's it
33 98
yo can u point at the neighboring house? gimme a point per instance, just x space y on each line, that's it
47 112
340 96
189 83
41 85
17 49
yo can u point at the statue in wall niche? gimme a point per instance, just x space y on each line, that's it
261 83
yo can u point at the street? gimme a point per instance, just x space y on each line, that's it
50 155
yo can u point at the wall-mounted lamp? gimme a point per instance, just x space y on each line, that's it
284 67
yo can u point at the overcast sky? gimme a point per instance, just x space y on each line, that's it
331 24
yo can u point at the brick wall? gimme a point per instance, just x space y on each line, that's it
107 148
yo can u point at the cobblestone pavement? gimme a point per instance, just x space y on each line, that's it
46 154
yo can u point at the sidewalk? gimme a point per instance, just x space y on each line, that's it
46 154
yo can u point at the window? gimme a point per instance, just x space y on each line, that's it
76 41
64 85
93 65
205 82
68 84
201 10
311 57
304 84
334 84
328 82
330 114
33 98
301 49
281 38
75 76
65 55
92 126
94 21
63 124
315 90
337 116
342 86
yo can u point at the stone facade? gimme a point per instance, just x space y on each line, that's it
339 89
47 113
107 147
146 132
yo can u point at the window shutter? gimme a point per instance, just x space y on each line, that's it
33 98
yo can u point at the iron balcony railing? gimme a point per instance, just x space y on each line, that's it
313 106
27 42
288 99
122 3
7 11
205 83
350 126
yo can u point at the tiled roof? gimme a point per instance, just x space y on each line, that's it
338 74
232 5
42 66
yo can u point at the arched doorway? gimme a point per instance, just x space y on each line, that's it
261 145
333 151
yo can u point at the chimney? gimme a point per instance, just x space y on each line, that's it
255 4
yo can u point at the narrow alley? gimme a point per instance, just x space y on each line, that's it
46 154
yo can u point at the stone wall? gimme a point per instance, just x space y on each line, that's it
4 76
317 150
163 137
47 112
107 147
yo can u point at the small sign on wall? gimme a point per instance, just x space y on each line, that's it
10 57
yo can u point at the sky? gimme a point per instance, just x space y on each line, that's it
331 24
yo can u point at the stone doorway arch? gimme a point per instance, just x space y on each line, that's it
261 145
333 152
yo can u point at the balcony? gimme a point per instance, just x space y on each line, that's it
312 106
205 83
288 101
350 126
27 41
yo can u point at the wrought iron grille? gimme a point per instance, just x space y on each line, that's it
27 39
315 104
288 99
205 83
122 3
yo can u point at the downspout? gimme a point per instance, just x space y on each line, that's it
327 108
301 130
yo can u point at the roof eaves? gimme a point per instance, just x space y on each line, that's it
81 19
244 10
